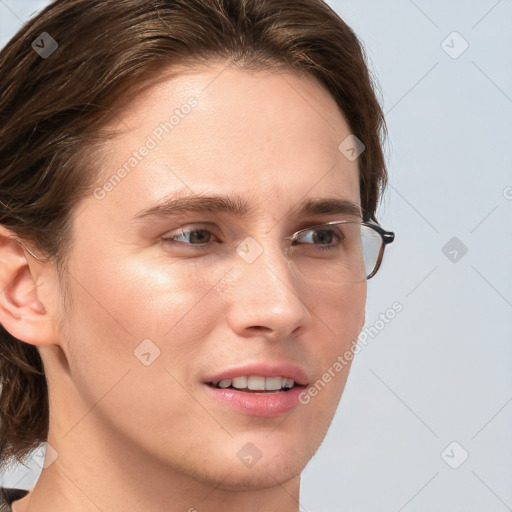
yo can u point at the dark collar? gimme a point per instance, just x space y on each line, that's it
8 495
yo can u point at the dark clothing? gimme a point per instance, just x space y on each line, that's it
7 496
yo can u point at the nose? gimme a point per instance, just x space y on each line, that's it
267 295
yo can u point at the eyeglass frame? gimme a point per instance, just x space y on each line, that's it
368 220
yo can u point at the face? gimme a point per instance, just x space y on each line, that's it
162 311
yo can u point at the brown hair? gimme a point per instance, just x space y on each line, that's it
54 106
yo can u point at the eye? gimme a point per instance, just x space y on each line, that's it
322 237
196 237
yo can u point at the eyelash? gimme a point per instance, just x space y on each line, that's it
169 239
337 233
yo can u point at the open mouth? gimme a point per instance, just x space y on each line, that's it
255 384
270 395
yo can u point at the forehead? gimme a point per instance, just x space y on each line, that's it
270 133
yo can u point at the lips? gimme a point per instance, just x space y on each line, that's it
260 377
265 390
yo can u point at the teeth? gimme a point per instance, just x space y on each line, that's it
257 383
240 382
273 383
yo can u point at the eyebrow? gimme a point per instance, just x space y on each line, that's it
186 202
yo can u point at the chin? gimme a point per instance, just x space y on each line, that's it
259 477
267 462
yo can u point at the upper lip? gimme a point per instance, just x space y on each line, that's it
288 370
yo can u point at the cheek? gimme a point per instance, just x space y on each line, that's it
340 313
122 312
130 309
340 316
138 299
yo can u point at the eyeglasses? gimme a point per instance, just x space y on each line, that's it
341 252
338 252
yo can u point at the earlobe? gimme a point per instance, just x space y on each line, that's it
22 313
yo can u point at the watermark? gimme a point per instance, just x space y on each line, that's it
249 454
454 45
455 455
507 193
351 147
151 142
45 455
146 352
343 360
249 250
44 45
454 249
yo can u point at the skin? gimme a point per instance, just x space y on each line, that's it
136 437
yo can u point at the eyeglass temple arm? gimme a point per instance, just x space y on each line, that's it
387 236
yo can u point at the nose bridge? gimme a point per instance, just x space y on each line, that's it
265 257
267 294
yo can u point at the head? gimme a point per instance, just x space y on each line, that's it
105 303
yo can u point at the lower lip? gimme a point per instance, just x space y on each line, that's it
268 405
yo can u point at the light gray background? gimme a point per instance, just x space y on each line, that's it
441 370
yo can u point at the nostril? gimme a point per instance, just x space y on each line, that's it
259 327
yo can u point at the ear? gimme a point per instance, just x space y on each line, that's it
22 313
